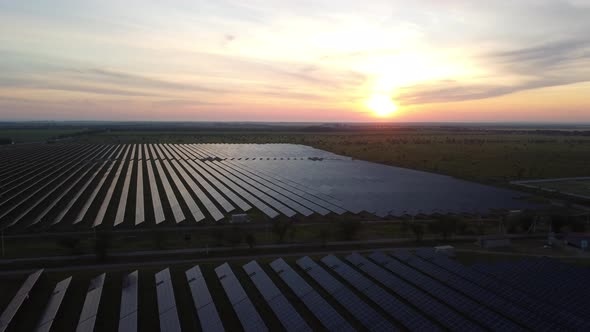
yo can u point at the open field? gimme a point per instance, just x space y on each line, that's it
35 135
575 187
479 154
383 291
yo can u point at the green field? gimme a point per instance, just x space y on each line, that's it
34 135
579 187
489 156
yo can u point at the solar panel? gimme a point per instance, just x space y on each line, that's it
120 216
139 151
209 205
128 312
174 205
514 295
34 180
283 189
305 191
53 305
206 310
156 202
481 295
228 207
406 315
139 198
61 195
67 208
285 312
132 156
21 295
276 192
177 152
91 304
38 189
242 181
166 302
318 306
418 298
455 299
212 169
361 311
90 199
41 199
169 154
188 199
98 220
243 307
153 152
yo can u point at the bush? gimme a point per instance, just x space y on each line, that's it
445 226
250 240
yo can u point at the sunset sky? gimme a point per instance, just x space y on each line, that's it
313 60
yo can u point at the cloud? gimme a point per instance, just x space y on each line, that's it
539 66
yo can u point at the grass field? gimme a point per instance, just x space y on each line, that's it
34 135
579 187
481 155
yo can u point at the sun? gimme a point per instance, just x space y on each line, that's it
381 105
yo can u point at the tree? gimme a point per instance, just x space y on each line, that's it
70 243
324 236
349 228
445 226
250 240
558 222
418 230
280 228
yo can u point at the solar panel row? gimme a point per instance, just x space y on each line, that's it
286 313
206 310
319 307
21 295
243 307
366 315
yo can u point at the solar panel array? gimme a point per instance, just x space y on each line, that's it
18 299
245 310
60 185
380 291
91 304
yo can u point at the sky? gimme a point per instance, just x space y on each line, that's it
303 61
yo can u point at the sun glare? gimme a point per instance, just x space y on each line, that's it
381 105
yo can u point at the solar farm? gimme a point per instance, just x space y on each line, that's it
44 187
381 291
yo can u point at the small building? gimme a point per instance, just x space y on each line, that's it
494 241
447 250
241 218
578 240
